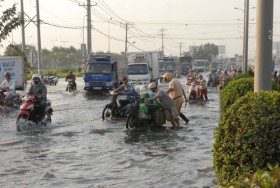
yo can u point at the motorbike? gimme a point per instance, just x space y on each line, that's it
30 114
213 81
117 107
192 92
52 80
222 83
14 102
70 86
143 114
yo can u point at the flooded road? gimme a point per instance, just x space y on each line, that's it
81 150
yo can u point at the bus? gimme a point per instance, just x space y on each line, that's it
167 64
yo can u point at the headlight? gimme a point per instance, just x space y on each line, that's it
108 84
87 84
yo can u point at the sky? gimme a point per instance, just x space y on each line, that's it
176 24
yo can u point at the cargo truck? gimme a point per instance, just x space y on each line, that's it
143 67
14 65
101 74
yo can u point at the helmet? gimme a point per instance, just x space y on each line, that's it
7 74
152 85
36 78
167 76
70 72
200 76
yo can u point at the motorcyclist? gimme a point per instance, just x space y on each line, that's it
39 90
71 76
202 88
126 89
176 93
7 88
191 76
225 77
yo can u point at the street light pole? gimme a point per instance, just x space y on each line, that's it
109 35
264 37
245 38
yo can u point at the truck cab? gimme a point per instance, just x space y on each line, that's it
100 74
143 67
139 72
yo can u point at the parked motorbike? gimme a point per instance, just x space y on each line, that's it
70 86
143 114
117 107
30 113
14 102
52 80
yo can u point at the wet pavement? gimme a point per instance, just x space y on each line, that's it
80 150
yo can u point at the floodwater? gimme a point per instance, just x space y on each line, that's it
80 150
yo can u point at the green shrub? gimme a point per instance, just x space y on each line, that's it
235 89
261 178
248 136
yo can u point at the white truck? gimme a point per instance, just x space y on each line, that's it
14 65
143 67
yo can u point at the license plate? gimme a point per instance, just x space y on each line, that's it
96 87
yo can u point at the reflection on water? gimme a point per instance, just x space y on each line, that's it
81 150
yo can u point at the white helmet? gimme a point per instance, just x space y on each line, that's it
152 85
35 76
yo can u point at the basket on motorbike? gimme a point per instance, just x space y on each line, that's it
158 111
159 117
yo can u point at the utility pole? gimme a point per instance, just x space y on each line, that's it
125 48
89 29
109 35
245 37
162 46
264 35
89 40
39 38
180 54
22 28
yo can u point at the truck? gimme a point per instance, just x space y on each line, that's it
186 64
167 64
200 65
100 74
143 67
14 65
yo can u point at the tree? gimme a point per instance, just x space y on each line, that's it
9 20
208 51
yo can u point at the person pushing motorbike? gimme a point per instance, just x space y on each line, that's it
170 109
71 76
176 93
39 90
7 88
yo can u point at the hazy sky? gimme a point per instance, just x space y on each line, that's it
182 22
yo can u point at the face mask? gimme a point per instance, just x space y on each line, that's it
36 81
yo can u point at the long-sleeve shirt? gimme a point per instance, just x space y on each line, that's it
38 89
9 86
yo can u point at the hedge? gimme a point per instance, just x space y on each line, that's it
248 136
235 89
